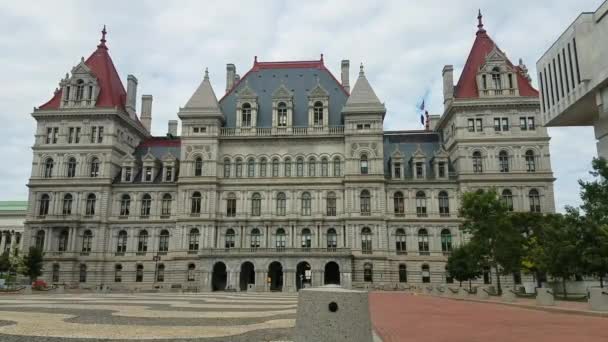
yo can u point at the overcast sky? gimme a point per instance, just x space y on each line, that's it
403 44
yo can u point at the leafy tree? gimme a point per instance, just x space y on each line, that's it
32 264
463 264
594 194
499 244
4 262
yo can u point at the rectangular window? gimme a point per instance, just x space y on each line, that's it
71 135
398 170
359 127
441 169
148 174
77 136
169 174
471 125
231 207
497 126
419 170
523 124
49 135
479 125
100 134
505 124
93 134
331 206
531 125
128 174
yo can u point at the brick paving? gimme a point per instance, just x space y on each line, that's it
408 317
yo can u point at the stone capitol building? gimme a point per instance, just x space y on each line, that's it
287 180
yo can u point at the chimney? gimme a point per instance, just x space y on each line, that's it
433 120
131 93
448 84
230 76
345 74
172 128
146 111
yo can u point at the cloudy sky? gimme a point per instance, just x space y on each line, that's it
403 44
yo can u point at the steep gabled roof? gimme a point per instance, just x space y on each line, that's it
204 96
483 46
111 90
363 97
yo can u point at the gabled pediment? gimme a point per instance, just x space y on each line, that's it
418 154
247 92
318 91
441 153
282 92
149 157
169 157
396 154
128 158
82 69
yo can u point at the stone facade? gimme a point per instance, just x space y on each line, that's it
288 180
12 218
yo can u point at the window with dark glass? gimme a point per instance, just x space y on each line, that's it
503 161
121 242
368 273
444 203
399 204
423 242
281 204
306 204
163 241
87 241
198 166
446 241
166 205
246 115
366 241
282 114
530 161
280 240
507 198
231 205
331 204
365 200
402 273
94 167
142 241
534 199
306 238
195 206
90 206
477 162
426 273
441 169
318 113
48 168
400 242
364 165
71 168
146 203
332 239
193 237
67 204
125 204
229 238
421 204
255 238
256 204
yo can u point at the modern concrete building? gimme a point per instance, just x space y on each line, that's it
573 77
288 180
12 220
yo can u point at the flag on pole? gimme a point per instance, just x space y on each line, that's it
422 113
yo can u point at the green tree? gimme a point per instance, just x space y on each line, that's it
32 264
486 218
463 264
4 262
562 255
533 227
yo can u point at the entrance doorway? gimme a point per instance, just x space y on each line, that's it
275 276
303 275
332 273
247 275
219 277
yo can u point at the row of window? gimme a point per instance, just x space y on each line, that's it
504 161
70 172
557 78
74 135
118 273
421 204
67 204
502 124
264 170
246 114
533 200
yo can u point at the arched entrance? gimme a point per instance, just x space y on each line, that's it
303 275
247 275
275 276
219 277
332 273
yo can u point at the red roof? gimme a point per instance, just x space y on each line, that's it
111 91
161 142
483 45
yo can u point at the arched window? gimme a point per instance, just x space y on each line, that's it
166 205
426 273
191 272
55 273
142 241
246 115
193 237
251 168
366 240
507 199
496 78
48 168
398 203
312 167
306 238
39 244
423 242
121 242
364 165
163 241
79 90
118 273
364 199
534 198
160 273
530 161
67 204
300 167
318 113
337 167
400 243
477 162
195 207
83 273
139 273
282 114
306 204
231 205
43 208
256 204
226 168
444 203
503 161
87 241
62 243
71 168
198 166
229 239
281 204
125 204
90 207
402 273
368 273
446 241
263 164
287 167
332 239
280 240
275 168
421 204
94 167
331 203
324 167
238 168
146 203
255 238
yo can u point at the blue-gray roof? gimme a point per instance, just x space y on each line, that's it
407 143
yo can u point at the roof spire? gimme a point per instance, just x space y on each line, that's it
480 28
103 38
361 72
321 58
206 73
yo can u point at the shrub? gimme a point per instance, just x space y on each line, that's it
39 285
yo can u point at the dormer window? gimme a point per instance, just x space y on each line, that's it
496 78
148 174
79 90
318 113
419 170
128 173
169 174
441 170
282 114
246 115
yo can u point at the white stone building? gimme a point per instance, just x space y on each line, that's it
573 77
288 179
12 218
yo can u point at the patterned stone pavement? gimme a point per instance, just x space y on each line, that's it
209 317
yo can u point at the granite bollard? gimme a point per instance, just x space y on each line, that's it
333 314
462 292
508 295
544 297
483 293
598 299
